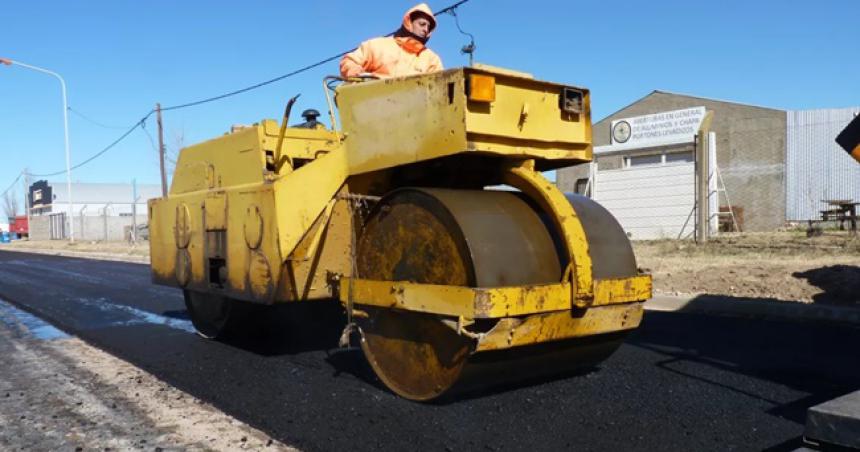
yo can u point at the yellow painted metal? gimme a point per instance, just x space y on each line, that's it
622 290
400 121
303 195
527 110
237 225
215 211
552 200
541 328
226 185
289 227
458 301
488 303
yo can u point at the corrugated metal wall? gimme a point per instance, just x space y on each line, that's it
816 167
650 202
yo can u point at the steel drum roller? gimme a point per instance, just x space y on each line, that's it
474 239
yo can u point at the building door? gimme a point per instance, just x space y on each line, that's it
58 226
651 200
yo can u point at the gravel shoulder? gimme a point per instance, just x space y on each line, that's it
58 393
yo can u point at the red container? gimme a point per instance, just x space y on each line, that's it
19 225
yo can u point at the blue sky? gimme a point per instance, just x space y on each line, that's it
120 57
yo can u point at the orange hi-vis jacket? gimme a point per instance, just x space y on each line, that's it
393 56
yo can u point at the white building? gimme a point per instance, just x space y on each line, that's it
98 211
90 199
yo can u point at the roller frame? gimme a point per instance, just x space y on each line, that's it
488 303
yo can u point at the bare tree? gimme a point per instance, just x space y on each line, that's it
171 154
10 204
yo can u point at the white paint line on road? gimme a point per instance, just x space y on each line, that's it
140 316
28 324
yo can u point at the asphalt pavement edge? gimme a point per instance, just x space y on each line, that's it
754 308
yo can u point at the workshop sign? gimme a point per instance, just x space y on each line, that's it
676 126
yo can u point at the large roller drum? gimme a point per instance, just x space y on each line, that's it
461 238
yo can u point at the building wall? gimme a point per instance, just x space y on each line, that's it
87 228
751 149
93 198
40 228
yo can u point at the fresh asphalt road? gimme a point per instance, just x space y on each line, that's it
681 382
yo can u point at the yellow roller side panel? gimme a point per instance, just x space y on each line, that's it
528 110
302 195
230 160
161 241
394 122
253 260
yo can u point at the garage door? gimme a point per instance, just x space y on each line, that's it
650 202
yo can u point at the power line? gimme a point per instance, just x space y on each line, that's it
103 151
93 121
447 10
12 184
258 85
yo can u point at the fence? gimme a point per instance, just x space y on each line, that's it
90 228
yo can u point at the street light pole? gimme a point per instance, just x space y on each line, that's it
9 62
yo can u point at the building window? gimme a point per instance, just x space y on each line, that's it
680 157
658 159
643 160
580 186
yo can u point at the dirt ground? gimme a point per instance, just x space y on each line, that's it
134 252
58 393
781 266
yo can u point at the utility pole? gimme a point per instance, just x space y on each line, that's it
27 200
161 150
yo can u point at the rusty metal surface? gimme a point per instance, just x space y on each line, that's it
508 242
415 355
610 249
457 237
542 328
466 238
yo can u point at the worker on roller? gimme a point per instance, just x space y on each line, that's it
404 53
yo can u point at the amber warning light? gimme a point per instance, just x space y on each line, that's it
482 88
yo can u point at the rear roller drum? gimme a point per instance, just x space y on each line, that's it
210 314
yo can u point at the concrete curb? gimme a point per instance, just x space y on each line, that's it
755 308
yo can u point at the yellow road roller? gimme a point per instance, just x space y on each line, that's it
421 209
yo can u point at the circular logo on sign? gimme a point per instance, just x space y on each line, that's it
621 132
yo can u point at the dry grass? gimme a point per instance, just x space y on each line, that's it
779 265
